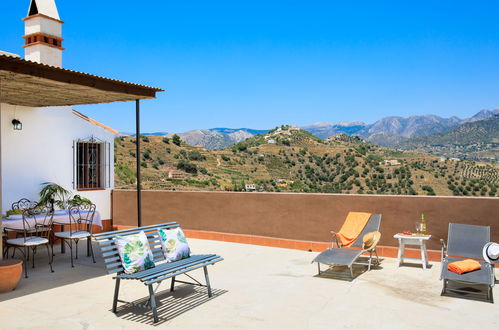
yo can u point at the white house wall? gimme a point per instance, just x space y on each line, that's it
43 152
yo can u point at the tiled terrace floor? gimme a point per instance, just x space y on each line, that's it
255 288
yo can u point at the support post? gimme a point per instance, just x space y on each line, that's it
1 184
137 156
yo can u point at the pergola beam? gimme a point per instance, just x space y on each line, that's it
26 83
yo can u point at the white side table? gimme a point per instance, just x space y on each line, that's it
414 239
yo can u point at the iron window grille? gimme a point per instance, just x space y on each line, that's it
91 159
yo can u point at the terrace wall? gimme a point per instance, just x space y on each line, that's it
300 216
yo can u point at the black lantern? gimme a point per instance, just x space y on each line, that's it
16 123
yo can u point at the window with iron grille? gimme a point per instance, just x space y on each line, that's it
91 164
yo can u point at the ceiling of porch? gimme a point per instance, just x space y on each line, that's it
31 84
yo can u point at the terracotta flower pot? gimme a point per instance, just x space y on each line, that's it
10 274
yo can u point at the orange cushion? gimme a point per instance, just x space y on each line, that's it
464 266
351 229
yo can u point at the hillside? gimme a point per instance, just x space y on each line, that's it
477 140
291 159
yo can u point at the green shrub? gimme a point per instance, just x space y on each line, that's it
186 166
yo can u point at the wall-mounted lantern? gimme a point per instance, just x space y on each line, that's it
17 125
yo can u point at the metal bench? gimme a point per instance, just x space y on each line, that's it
163 270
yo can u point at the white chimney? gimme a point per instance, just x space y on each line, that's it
43 33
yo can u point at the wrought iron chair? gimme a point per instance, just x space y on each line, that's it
24 204
80 228
37 227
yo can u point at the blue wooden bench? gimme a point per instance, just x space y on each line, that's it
163 270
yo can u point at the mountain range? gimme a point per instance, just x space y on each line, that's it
475 140
388 131
212 139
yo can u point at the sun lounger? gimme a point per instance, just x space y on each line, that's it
467 242
349 256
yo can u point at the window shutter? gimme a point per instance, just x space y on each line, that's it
108 164
75 164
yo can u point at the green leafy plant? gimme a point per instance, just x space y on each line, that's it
78 200
53 194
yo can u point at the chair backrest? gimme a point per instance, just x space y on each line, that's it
23 204
81 217
110 252
37 222
467 240
373 224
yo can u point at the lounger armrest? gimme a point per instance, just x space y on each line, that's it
335 239
444 249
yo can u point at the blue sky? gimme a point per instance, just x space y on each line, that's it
260 64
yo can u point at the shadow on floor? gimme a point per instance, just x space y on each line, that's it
40 278
477 292
415 265
170 304
339 272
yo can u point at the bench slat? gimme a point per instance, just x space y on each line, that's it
182 271
165 267
107 235
114 261
176 267
150 237
116 256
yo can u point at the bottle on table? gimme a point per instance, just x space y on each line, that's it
423 224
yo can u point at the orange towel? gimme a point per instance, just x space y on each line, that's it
351 229
464 266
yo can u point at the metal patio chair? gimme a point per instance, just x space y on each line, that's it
467 242
24 204
37 227
348 256
81 218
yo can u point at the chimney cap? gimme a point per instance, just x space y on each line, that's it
44 7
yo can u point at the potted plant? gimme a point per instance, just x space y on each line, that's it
53 194
10 274
78 200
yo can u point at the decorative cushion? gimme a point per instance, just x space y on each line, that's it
73 234
174 244
135 252
30 241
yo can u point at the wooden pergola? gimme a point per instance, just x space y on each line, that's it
30 84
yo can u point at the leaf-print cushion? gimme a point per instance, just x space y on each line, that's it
174 244
135 252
